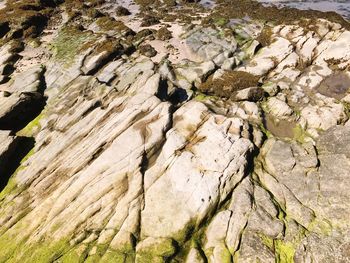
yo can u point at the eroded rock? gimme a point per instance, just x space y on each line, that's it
205 136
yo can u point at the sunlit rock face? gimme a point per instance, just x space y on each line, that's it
173 131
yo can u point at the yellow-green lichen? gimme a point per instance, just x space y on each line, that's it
284 251
10 187
46 252
300 135
77 254
221 21
266 240
117 256
203 97
15 247
9 246
96 253
321 226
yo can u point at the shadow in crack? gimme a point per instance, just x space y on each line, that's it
27 108
178 96
11 160
22 113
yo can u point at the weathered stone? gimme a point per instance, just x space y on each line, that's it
278 108
173 158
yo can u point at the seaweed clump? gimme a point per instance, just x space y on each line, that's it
164 34
106 23
25 18
265 37
228 83
122 11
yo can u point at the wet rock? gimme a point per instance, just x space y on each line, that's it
335 86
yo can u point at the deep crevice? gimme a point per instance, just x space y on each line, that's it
30 106
11 160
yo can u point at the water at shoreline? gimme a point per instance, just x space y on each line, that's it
340 6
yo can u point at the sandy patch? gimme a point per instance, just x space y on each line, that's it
2 4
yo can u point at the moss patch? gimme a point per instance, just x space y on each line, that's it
300 135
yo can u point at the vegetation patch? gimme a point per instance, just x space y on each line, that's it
284 251
69 43
32 127
25 17
228 83
265 37
106 23
122 11
164 34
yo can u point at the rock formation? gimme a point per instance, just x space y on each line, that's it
173 131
